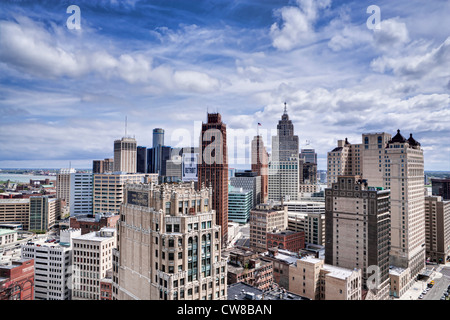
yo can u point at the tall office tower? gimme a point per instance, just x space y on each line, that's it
92 258
109 187
308 156
213 168
437 228
53 266
63 184
441 187
44 211
266 218
248 180
103 166
404 176
81 193
169 245
141 160
125 151
284 162
357 231
156 157
345 159
397 164
260 165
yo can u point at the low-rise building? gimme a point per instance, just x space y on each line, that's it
90 223
17 280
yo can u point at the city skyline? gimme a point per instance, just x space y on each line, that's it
67 92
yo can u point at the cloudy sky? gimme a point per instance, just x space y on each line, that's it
65 92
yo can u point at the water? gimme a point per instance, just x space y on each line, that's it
24 178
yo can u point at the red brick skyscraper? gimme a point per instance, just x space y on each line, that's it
213 168
260 165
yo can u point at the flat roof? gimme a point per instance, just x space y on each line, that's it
338 272
243 291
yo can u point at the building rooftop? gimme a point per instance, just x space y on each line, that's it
243 291
101 235
338 272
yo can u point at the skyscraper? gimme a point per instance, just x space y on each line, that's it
213 168
357 231
158 143
260 165
141 160
63 184
284 162
125 155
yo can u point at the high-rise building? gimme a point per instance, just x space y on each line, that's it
125 156
441 187
53 266
81 193
63 184
156 153
103 166
397 164
92 259
357 231
284 162
248 180
437 229
141 160
260 165
266 218
109 188
239 204
213 168
308 156
169 245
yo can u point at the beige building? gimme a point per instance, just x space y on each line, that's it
125 155
15 210
312 278
44 211
63 184
108 193
437 229
169 245
266 218
91 260
396 164
309 217
357 224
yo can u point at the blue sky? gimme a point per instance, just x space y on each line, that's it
64 94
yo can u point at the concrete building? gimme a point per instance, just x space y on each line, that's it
260 165
437 229
266 218
125 155
63 184
53 266
284 162
239 205
92 259
81 187
169 245
17 280
312 278
7 237
213 168
397 164
309 217
248 180
281 260
109 188
103 166
245 292
357 231
15 211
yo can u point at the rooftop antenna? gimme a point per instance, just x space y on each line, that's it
285 108
125 126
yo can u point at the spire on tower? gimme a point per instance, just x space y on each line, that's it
285 108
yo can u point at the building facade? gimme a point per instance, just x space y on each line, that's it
437 229
239 205
169 245
125 155
260 165
63 184
248 180
17 280
213 168
81 188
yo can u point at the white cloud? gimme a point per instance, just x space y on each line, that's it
297 24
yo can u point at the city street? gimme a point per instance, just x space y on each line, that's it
442 281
